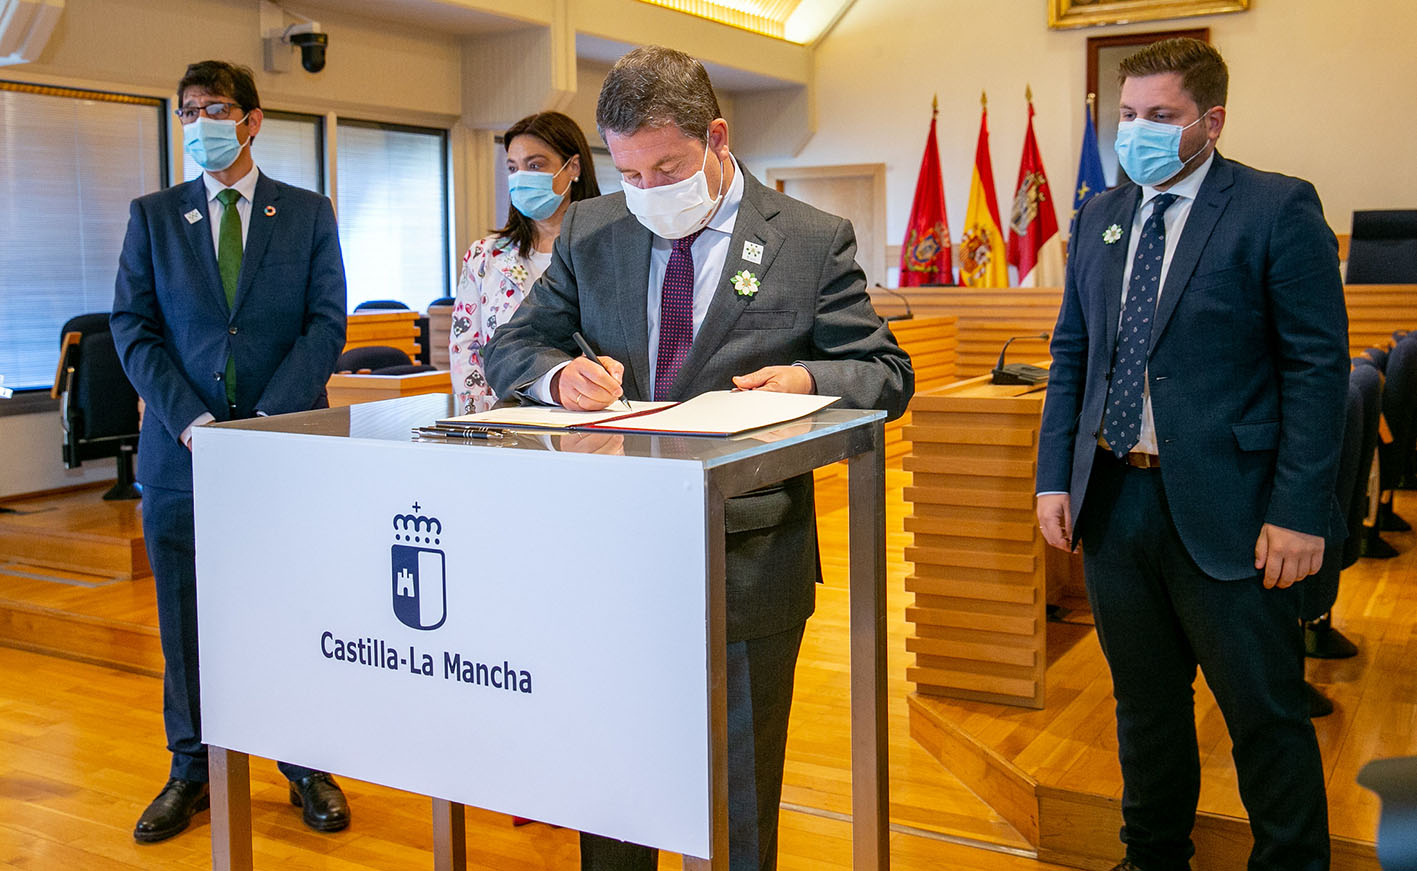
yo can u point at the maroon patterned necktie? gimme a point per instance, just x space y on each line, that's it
676 315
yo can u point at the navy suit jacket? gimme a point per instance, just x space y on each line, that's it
1248 369
174 329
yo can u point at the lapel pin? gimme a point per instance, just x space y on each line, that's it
752 252
270 211
193 216
745 282
1112 234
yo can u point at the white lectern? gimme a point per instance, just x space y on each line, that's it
532 625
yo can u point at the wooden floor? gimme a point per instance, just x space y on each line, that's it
81 746
1055 772
81 742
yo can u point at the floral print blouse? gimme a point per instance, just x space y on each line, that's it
493 282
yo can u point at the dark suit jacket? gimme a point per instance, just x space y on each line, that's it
174 329
1248 368
811 307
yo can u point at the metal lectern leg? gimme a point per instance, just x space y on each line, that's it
718 685
449 836
870 789
230 774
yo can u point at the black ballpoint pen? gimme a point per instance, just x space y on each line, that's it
595 358
433 432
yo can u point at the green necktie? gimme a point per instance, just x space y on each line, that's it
228 263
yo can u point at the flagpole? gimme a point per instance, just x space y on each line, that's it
1092 107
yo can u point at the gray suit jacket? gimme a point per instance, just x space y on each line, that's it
811 307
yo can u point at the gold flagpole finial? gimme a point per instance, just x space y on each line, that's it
1028 92
935 105
1091 100
983 100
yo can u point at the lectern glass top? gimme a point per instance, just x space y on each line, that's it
394 419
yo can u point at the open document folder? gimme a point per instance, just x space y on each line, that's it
718 413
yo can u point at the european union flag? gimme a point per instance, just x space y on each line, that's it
1090 179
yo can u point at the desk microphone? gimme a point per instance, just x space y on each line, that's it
1018 373
908 315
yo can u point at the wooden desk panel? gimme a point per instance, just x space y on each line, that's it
354 389
980 570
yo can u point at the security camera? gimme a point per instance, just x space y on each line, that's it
311 40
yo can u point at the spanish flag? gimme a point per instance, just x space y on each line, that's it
925 256
983 259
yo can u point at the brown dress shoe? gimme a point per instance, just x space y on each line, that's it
322 803
171 811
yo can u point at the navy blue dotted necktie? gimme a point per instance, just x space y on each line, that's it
1121 425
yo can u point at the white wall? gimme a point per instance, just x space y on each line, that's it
1318 89
30 458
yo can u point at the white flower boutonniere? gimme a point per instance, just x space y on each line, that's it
1112 234
745 282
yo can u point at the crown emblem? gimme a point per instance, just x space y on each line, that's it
417 528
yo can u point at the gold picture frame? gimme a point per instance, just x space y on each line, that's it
1063 14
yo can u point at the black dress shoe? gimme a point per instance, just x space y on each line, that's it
322 804
171 811
1126 865
1322 641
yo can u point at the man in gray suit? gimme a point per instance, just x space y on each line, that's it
699 278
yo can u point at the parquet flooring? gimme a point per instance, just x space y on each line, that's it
80 745
81 754
1071 745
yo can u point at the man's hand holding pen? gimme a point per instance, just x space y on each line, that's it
585 385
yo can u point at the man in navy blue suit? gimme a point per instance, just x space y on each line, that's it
229 303
1189 443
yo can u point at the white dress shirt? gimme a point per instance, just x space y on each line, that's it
246 186
1175 220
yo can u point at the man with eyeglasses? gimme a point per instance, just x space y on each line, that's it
229 304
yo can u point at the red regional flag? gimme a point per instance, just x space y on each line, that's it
1034 244
925 256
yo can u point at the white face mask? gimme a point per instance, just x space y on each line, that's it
673 211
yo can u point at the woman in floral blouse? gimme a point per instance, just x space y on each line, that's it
549 167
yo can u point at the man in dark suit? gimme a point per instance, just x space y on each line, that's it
699 278
1189 443
229 303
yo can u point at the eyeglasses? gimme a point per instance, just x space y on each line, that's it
216 111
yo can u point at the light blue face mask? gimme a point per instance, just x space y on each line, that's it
212 144
1150 152
532 193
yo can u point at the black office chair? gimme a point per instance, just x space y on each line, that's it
444 300
98 407
1355 460
1383 247
1395 782
370 304
1399 403
379 360
1368 378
